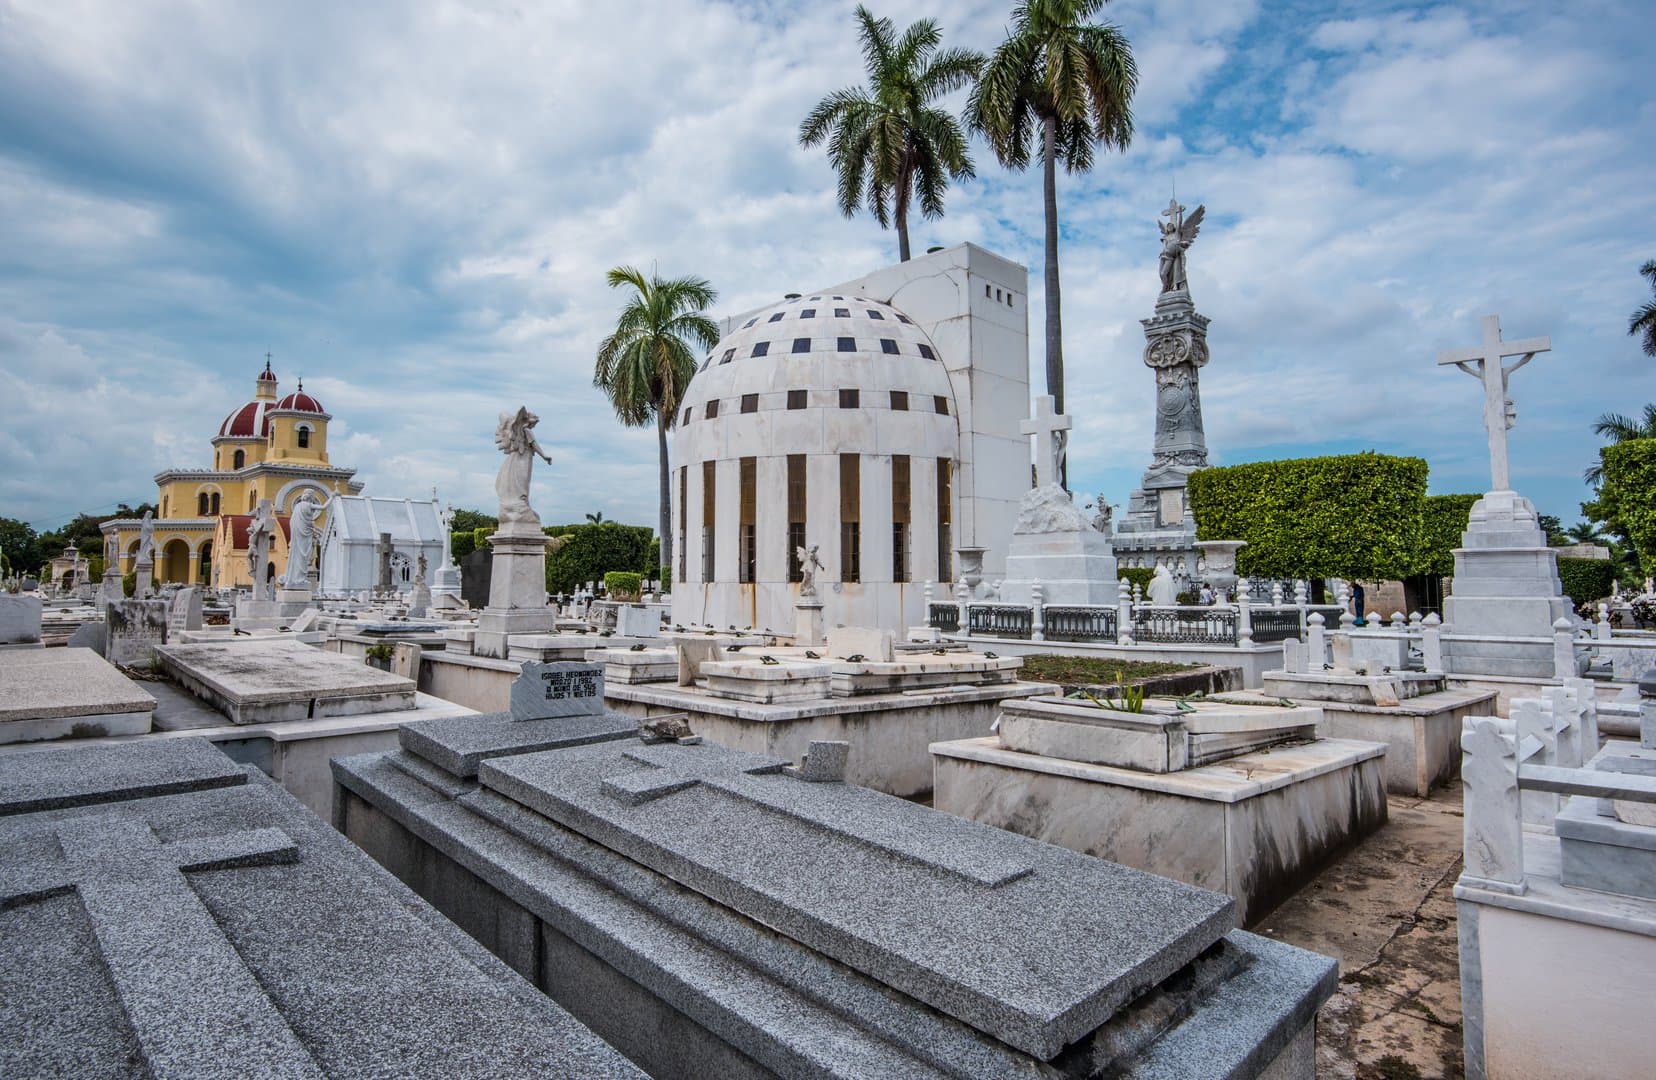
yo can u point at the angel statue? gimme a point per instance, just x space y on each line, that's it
1177 234
809 564
515 436
260 532
146 538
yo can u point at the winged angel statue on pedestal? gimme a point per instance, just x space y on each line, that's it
515 436
1177 234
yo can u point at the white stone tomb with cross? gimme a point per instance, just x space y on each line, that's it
1054 542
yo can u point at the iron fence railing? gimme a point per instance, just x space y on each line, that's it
1063 623
1185 626
944 617
1274 624
1000 620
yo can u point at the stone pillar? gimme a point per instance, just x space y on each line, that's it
1037 609
809 626
1124 613
517 590
1431 643
1647 710
1494 824
1564 658
1316 646
1602 628
144 571
1244 615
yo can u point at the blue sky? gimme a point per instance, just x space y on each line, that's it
413 207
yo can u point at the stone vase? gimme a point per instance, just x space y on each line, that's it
1220 559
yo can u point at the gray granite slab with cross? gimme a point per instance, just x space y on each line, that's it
1030 943
224 931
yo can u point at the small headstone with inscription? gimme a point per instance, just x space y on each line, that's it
556 689
184 612
132 630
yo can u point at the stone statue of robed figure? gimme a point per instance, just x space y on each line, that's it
515 436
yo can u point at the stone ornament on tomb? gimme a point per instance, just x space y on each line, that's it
545 691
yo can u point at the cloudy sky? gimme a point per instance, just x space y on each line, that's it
413 206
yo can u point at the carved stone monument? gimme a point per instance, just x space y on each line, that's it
1053 542
1506 577
809 625
517 584
143 566
298 581
445 583
1157 528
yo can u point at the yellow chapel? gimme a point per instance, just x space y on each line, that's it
272 448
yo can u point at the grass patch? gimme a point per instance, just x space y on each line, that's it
1093 670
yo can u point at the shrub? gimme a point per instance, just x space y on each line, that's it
590 551
1356 516
1443 523
1586 580
624 585
666 579
129 584
1627 496
1137 575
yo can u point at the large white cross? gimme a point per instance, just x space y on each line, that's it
1048 426
1484 362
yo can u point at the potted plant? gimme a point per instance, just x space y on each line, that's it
379 655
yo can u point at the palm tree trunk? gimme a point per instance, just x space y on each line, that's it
1054 322
905 180
666 516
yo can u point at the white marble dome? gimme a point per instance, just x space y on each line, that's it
814 378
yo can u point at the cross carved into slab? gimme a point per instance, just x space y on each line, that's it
187 993
1484 362
1049 428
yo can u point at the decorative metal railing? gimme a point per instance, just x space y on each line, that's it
944 617
1274 624
1079 623
1184 626
999 620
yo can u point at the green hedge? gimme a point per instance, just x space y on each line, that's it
623 585
1443 524
1356 516
1137 575
1586 580
1627 496
591 551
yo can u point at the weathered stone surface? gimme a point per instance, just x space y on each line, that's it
561 688
19 619
84 775
638 622
288 953
52 693
458 744
184 610
132 631
268 681
825 863
876 646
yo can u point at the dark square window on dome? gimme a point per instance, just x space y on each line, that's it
899 400
729 355
872 314
777 317
888 346
941 404
842 313
797 399
905 319
850 399
712 408
686 416
802 344
807 313
760 348
750 403
847 344
926 351
749 323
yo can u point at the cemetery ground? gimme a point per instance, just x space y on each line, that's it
1386 911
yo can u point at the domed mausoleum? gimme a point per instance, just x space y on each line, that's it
826 421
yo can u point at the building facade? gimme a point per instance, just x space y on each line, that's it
350 546
273 447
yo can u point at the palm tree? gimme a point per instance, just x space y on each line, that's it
886 140
1064 84
1643 323
647 363
1584 532
1618 429
595 519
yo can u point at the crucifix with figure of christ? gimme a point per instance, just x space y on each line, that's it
1484 362
1049 427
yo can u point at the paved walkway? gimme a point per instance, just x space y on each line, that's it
1386 912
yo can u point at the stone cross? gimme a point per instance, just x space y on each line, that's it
1484 361
1048 426
142 909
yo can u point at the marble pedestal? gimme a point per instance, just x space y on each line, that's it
808 623
517 592
1073 568
110 589
144 579
1506 585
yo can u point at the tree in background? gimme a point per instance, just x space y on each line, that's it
1065 85
646 365
586 552
1619 429
1626 499
887 141
1642 324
